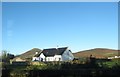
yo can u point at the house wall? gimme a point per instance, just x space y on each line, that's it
67 55
53 58
35 59
49 58
42 57
57 58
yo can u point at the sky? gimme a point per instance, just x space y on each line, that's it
77 25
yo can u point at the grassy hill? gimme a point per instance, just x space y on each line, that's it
29 54
97 52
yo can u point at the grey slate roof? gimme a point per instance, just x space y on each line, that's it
54 51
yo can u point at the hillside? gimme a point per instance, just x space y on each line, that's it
29 54
97 52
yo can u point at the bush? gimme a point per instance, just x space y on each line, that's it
115 63
36 67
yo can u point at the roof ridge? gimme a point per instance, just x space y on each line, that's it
55 48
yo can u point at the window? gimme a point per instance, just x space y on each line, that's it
48 59
41 59
59 59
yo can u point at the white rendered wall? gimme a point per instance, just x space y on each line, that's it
67 56
35 59
42 56
49 58
57 58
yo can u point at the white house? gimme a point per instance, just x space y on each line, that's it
115 57
54 54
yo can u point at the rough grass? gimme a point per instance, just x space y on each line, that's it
98 53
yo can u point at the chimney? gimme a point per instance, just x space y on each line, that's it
36 52
57 47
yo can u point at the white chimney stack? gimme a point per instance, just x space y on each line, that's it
36 52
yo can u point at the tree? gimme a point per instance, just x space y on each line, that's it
6 56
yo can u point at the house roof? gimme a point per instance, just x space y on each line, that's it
54 51
37 55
